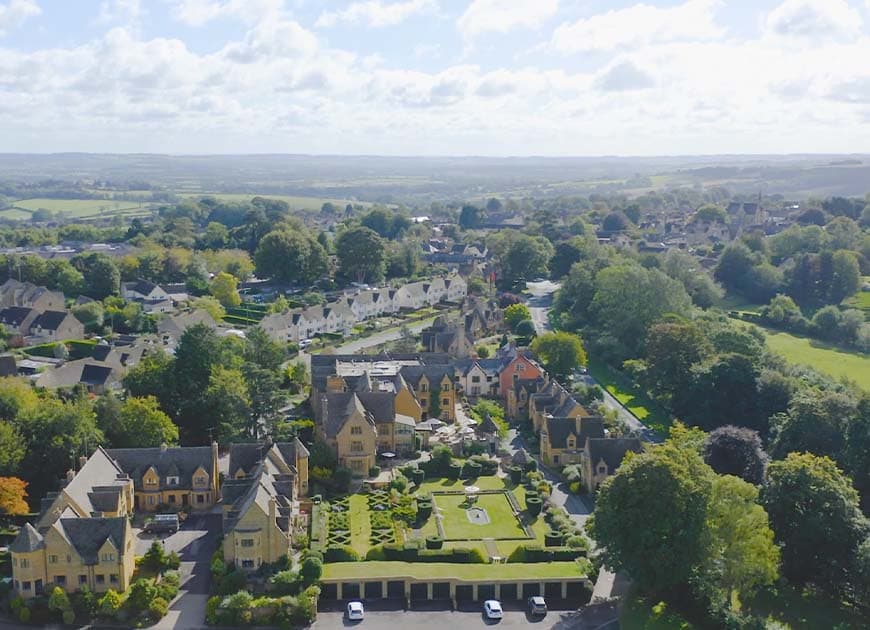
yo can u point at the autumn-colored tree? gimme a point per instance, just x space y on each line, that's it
13 491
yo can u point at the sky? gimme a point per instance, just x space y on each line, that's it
435 77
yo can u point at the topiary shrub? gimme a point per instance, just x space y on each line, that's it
531 465
533 505
454 471
471 470
341 553
516 475
417 476
158 608
374 471
553 539
434 542
68 617
424 509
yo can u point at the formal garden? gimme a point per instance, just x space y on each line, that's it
448 510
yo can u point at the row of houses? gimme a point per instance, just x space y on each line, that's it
83 535
341 315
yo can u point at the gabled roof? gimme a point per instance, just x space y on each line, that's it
382 405
15 315
143 287
27 540
50 320
180 461
339 407
88 535
95 374
611 451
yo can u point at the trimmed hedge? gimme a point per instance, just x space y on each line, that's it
533 552
516 474
553 539
454 472
534 505
471 470
411 552
417 476
341 553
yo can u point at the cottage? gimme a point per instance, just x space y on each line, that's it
51 326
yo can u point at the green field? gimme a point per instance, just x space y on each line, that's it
423 570
311 204
75 208
820 356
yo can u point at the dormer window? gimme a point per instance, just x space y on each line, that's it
602 469
172 481
150 481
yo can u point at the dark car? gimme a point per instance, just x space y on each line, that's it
537 605
162 524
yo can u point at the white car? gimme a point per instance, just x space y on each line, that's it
492 609
355 611
304 344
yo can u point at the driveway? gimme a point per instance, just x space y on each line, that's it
195 542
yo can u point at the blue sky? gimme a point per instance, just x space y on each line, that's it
435 77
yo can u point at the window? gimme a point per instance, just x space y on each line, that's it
356 430
247 542
172 481
172 498
101 579
52 559
356 465
25 586
424 388
150 500
602 469
356 447
108 557
83 579
14 561
24 562
424 402
521 367
247 564
445 401
475 379
113 578
555 459
150 481
68 558
200 481
60 580
200 498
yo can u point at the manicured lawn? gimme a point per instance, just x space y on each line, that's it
484 483
502 522
360 525
423 570
820 356
632 397
640 614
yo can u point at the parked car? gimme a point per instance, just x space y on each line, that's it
304 344
162 524
492 609
355 611
537 605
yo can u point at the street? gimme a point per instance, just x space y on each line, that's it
436 619
540 302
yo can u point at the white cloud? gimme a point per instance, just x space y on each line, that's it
639 25
376 13
199 12
624 76
503 16
15 12
119 11
814 19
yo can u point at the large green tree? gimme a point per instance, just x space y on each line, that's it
361 255
290 256
815 516
561 352
141 423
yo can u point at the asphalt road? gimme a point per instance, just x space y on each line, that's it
439 619
540 302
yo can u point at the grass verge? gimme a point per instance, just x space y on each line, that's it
424 570
631 397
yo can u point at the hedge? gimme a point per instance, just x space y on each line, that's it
411 552
533 505
341 553
516 474
471 470
533 552
241 321
553 538
417 476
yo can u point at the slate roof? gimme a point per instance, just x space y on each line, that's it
95 374
88 535
612 451
140 286
184 460
434 374
382 405
49 320
559 428
246 456
27 540
14 315
339 406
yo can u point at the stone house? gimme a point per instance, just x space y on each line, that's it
15 293
602 457
51 326
563 439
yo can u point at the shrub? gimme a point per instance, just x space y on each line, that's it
142 593
533 505
311 570
312 553
533 552
341 553
58 601
376 553
434 542
553 539
158 608
454 471
471 470
382 520
400 483
109 604
424 509
576 542
374 471
531 465
284 583
84 602
68 617
24 615
232 582
516 475
211 610
418 476
575 487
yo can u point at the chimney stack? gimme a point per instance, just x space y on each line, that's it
82 461
163 447
70 474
